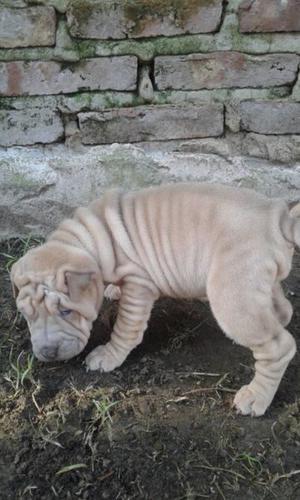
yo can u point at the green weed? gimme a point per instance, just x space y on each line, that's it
21 371
15 252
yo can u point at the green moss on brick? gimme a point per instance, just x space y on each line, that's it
27 54
82 9
86 48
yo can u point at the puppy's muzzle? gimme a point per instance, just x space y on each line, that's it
60 351
49 353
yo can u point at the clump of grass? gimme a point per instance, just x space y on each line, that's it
20 372
102 414
19 248
250 463
101 421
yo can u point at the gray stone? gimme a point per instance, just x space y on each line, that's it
285 149
39 186
296 90
269 16
33 27
16 3
224 69
65 48
55 181
29 126
135 19
270 117
50 77
276 148
150 123
60 5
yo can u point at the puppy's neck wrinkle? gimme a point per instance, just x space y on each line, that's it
99 230
77 233
114 219
96 240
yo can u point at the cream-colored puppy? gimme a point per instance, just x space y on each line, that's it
230 245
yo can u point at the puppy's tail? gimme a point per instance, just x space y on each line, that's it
291 226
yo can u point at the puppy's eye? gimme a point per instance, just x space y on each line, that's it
65 312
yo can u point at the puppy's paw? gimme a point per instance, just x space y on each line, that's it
112 292
249 402
101 359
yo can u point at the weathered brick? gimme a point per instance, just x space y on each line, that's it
224 70
50 77
59 5
269 16
140 18
30 27
29 126
16 3
151 123
270 117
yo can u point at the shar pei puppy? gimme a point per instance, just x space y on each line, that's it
231 246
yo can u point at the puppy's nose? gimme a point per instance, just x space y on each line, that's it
49 352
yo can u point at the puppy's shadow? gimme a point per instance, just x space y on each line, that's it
169 319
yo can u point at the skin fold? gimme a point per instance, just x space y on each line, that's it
231 246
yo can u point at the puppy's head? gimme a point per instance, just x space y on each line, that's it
59 290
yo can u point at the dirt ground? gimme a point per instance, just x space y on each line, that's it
159 427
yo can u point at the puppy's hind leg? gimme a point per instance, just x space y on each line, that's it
247 316
134 310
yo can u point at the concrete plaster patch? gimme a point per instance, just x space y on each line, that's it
40 186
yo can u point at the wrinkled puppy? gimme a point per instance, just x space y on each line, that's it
230 245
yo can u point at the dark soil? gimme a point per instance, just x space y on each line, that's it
159 427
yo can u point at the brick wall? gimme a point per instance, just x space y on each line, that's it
106 71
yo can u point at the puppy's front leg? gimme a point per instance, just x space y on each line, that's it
134 310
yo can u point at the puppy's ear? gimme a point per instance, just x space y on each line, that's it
77 283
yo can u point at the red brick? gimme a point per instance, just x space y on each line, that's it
50 77
224 70
142 18
269 16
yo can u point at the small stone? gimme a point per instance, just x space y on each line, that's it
106 462
145 87
65 48
296 90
